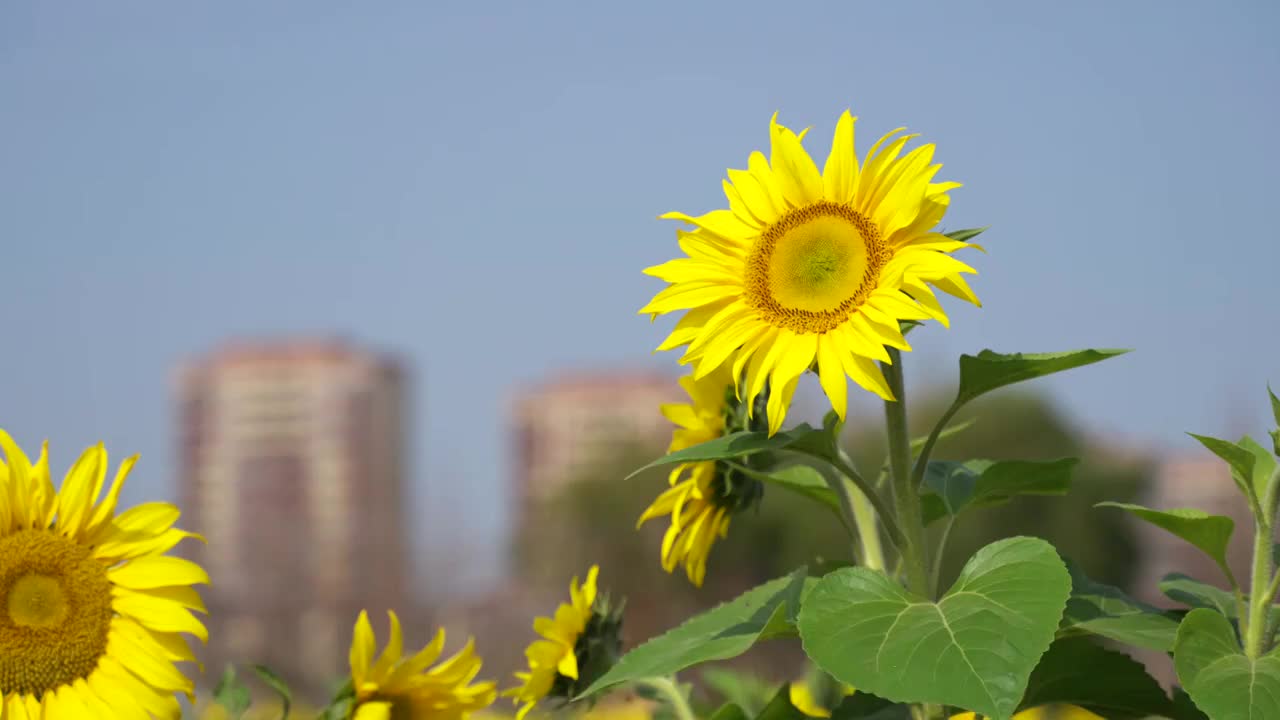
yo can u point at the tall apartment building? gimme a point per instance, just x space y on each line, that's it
560 427
292 466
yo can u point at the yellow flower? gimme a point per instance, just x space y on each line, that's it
698 500
553 658
404 688
807 266
92 611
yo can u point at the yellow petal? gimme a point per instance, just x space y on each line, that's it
831 373
793 169
157 613
840 174
362 648
157 571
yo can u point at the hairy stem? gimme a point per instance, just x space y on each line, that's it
1258 630
906 499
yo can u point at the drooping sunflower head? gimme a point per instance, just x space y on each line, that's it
703 496
579 644
395 687
92 611
810 267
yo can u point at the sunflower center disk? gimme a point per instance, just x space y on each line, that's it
813 267
56 603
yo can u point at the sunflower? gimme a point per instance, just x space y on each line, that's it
808 267
92 611
578 645
403 688
703 495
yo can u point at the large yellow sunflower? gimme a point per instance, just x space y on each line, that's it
403 688
697 501
554 658
810 266
91 610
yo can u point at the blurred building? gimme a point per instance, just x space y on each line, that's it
562 426
292 466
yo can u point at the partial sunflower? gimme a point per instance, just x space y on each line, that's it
395 687
703 495
807 266
92 611
577 646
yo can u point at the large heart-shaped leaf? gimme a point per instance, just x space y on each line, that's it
864 706
989 370
954 486
1077 672
974 649
1210 533
1099 609
1223 682
723 632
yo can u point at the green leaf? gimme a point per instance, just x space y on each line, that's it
1195 594
739 444
723 632
1264 466
1077 672
338 710
780 707
1183 707
917 444
989 370
1239 459
729 711
974 649
801 479
1106 611
231 694
1275 404
1222 681
954 485
275 683
1210 533
865 706
966 235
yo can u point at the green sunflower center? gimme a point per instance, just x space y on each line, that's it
56 603
813 267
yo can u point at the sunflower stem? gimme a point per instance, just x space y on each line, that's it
859 515
905 498
867 493
667 688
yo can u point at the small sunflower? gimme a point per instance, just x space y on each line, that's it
703 495
579 644
808 266
403 688
92 611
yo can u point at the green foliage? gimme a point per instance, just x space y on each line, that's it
724 632
1106 611
780 707
1241 461
735 445
966 235
804 480
1075 671
1195 594
865 706
990 370
232 694
1221 679
729 711
954 486
744 691
974 649
1210 533
281 688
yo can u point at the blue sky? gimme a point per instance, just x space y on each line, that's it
474 187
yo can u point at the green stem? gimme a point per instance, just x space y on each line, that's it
906 499
922 460
1258 630
860 515
942 548
666 687
885 513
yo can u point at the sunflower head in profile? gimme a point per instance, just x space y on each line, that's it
703 496
809 268
92 611
416 687
577 646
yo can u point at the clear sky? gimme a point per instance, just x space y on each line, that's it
474 186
